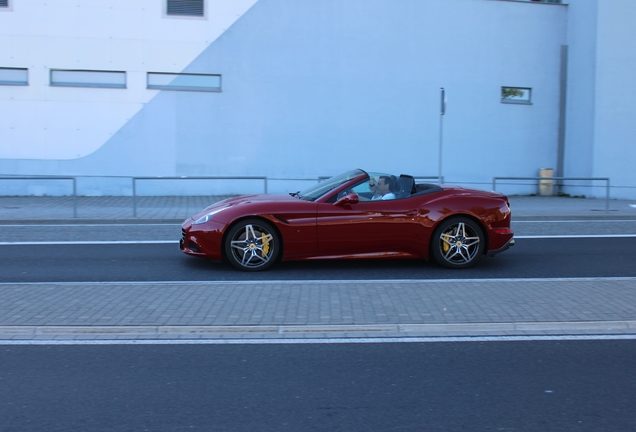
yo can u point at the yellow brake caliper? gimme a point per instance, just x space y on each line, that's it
445 244
265 246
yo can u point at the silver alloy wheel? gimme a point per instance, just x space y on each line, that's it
252 245
459 243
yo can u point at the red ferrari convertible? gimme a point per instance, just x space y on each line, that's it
353 215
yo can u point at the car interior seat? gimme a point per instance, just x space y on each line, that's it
405 186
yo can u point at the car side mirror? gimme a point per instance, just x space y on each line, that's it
350 198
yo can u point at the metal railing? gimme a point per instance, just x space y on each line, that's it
135 179
429 178
265 180
605 179
73 179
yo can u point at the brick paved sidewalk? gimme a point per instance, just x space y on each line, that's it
170 208
317 309
167 208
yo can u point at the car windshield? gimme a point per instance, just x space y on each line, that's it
318 190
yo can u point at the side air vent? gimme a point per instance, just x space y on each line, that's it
185 7
283 220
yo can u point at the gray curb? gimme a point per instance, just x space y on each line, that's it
317 331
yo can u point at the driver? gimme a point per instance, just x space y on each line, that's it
384 188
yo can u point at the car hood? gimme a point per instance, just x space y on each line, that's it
244 200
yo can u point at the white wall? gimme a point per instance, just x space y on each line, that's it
309 89
40 122
615 131
600 128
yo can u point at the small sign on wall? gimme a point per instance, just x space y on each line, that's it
518 95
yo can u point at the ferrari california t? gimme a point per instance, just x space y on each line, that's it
351 216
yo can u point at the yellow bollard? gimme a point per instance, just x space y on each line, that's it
546 187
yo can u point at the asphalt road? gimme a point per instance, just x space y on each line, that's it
583 385
529 258
143 231
460 386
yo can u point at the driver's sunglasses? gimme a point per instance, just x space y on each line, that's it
371 185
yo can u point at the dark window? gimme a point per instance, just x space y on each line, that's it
184 81
540 1
4 3
14 76
185 7
88 78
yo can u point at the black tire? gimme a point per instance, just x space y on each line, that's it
252 245
457 242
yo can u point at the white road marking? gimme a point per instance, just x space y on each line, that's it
105 242
334 281
89 225
608 221
566 236
129 242
574 221
270 341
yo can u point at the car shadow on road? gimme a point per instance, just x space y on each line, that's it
332 270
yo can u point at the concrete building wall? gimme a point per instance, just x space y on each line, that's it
615 131
600 127
308 89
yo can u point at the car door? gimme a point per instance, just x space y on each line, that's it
367 227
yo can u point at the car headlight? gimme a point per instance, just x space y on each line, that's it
203 219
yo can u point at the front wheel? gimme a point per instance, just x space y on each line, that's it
252 245
457 243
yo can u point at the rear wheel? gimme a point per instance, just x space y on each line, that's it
457 243
252 245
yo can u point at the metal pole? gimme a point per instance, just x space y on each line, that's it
494 184
74 197
607 193
134 184
441 130
563 81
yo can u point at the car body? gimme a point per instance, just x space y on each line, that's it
338 219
